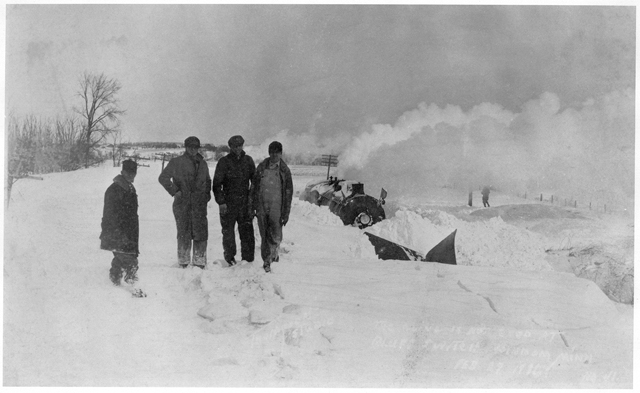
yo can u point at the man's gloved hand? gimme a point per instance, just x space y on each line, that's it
223 209
284 220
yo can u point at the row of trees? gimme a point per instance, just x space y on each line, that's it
152 145
163 145
36 145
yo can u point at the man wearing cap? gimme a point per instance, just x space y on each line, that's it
271 195
186 178
120 227
231 184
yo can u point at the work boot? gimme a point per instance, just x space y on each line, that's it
232 262
115 275
267 268
131 275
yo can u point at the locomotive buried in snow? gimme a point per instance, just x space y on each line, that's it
347 200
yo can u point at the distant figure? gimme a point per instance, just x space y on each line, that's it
485 195
271 195
186 178
120 226
231 184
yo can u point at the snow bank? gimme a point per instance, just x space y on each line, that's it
480 243
313 213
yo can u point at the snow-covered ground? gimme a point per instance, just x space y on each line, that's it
511 314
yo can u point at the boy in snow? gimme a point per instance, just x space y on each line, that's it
120 227
271 195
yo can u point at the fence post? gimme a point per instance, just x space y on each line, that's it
605 207
551 198
575 204
540 197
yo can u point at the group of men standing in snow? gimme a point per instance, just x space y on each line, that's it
241 191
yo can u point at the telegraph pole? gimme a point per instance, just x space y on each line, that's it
329 160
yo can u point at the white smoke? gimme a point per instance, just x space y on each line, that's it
585 152
422 119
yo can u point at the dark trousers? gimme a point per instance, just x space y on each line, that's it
245 229
485 201
185 244
124 262
271 235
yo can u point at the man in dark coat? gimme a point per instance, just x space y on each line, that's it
271 195
120 226
231 184
186 178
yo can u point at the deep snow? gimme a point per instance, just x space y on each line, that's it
330 315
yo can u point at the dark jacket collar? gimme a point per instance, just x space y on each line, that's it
235 156
122 182
197 157
281 164
277 164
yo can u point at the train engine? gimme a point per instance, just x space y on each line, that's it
347 200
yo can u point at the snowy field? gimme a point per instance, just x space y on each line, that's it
511 314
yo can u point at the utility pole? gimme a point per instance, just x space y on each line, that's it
329 160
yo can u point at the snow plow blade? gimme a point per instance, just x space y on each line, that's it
443 252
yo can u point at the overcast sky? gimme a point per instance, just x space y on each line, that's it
218 70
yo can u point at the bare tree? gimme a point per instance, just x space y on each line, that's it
64 144
117 149
66 131
21 151
100 110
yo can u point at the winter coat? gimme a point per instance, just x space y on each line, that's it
287 188
231 181
190 176
120 226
